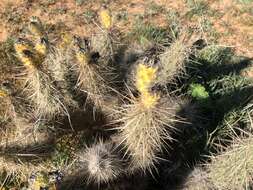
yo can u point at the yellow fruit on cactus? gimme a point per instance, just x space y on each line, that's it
24 52
105 18
66 40
26 60
83 57
2 93
41 47
149 100
22 45
145 77
39 181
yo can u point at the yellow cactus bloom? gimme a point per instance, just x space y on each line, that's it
66 40
27 61
145 77
41 47
41 181
2 93
21 46
23 49
149 100
83 57
105 18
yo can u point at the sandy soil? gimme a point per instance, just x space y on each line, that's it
230 20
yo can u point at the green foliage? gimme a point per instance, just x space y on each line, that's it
197 7
245 1
80 2
215 54
198 92
63 153
88 16
145 33
154 9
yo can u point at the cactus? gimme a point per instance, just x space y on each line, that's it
197 180
60 76
58 63
104 41
94 78
7 112
172 60
36 28
232 168
38 86
100 163
146 121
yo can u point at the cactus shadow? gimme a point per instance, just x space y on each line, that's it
193 140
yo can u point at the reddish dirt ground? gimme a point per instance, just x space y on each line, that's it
230 20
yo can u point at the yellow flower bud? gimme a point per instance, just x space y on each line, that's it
83 57
41 47
105 18
66 40
145 76
149 100
41 181
2 93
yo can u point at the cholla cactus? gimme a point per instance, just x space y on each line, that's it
104 41
100 163
93 78
36 28
233 168
38 84
58 64
146 121
172 60
198 180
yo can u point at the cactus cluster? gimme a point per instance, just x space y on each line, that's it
67 94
